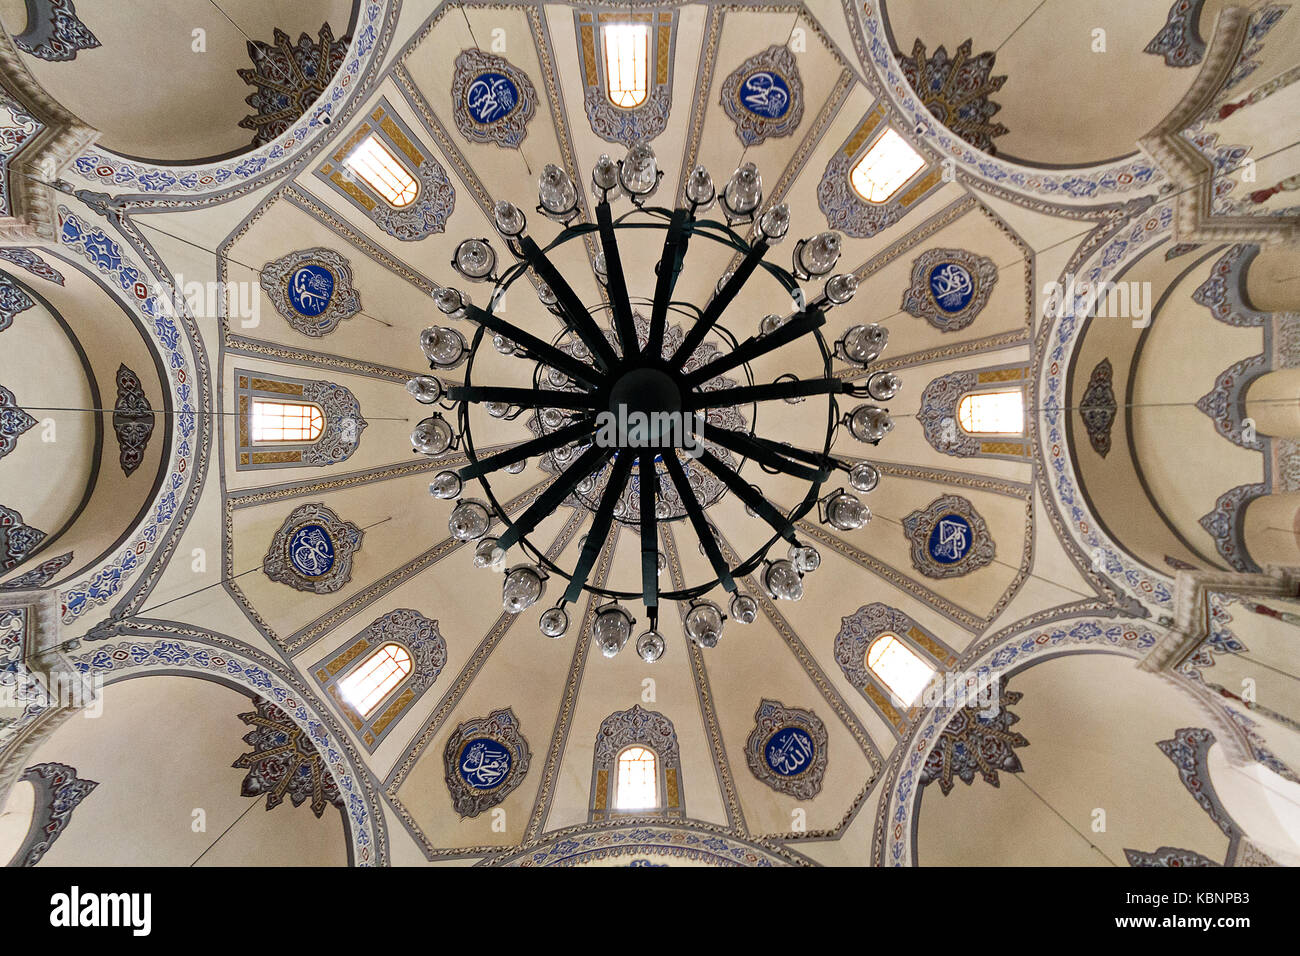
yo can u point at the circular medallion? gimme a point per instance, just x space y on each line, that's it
492 96
789 751
765 94
950 539
311 551
952 286
310 289
483 763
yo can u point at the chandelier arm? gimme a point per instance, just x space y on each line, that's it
574 312
757 346
820 459
771 391
616 282
746 493
550 499
649 481
539 349
523 397
670 265
600 526
713 311
700 523
765 455
534 446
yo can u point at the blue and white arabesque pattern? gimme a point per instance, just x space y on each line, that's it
137 287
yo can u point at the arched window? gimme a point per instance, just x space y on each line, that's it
636 785
898 667
885 168
627 63
275 421
993 413
375 163
375 677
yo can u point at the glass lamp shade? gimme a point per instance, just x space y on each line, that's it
870 423
557 378
818 255
775 223
700 191
487 554
805 559
846 513
509 218
497 409
639 173
425 389
612 629
598 267
554 622
432 436
443 347
552 418
864 476
743 609
474 259
503 344
722 280
744 191
556 192
770 323
604 175
449 301
521 589
703 624
840 289
515 467
782 580
469 520
445 485
650 646
864 343
883 386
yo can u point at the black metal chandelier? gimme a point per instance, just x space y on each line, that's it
638 421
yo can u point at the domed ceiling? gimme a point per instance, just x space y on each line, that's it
226 263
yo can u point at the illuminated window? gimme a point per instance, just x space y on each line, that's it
627 63
375 677
375 163
637 785
885 168
286 421
993 413
898 667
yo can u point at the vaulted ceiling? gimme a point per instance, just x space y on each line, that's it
174 238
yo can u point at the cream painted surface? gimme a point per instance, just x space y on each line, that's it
1092 721
154 113
1186 349
142 812
1273 280
1062 103
16 818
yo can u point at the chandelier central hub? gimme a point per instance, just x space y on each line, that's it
648 399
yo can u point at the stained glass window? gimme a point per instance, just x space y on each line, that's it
286 421
885 168
366 686
898 667
375 163
627 63
637 783
993 413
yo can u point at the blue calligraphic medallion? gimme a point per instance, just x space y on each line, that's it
310 289
491 96
484 763
950 539
790 751
766 94
952 286
311 551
